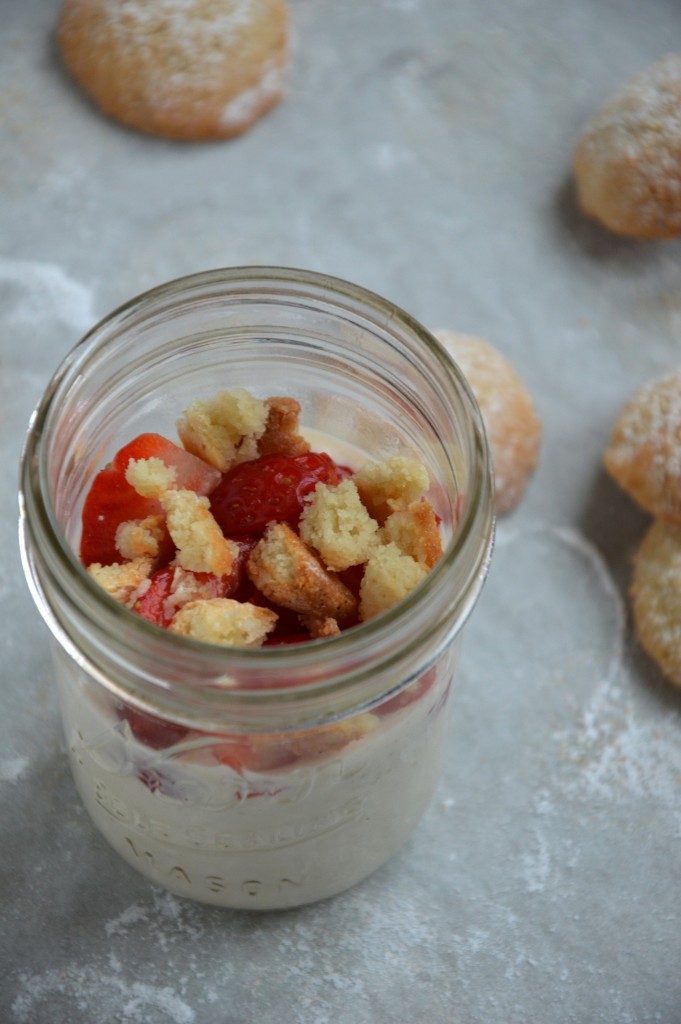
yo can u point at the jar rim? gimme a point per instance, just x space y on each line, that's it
312 656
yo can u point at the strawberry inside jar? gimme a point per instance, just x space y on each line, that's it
242 536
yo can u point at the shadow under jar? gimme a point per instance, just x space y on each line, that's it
270 777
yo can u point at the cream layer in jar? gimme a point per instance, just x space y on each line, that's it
257 839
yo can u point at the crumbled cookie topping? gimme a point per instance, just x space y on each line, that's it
385 487
363 541
122 580
221 620
224 430
337 525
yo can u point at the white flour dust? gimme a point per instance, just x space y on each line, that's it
12 768
618 752
243 107
537 864
100 984
87 985
38 293
164 909
386 156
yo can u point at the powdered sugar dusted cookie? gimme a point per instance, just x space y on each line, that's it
512 425
656 597
644 454
628 160
185 69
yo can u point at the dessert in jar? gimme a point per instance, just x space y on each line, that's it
254 689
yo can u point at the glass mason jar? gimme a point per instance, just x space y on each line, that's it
269 777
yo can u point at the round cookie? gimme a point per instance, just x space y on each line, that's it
512 425
627 163
644 453
656 597
184 69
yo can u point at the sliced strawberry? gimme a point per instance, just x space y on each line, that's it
269 489
155 732
238 577
154 605
191 473
111 500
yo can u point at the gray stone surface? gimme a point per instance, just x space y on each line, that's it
423 150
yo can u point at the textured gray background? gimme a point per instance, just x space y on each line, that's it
423 150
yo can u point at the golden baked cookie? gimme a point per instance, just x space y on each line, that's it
282 429
656 597
337 526
225 429
389 485
627 163
644 453
185 69
416 532
284 569
389 575
508 413
221 620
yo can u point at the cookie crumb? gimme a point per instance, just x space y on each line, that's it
224 430
284 569
392 484
388 577
336 524
221 620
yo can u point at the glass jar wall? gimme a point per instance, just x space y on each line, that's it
264 777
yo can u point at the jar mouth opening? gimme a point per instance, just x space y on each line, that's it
474 528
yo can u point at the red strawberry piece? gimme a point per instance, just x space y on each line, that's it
191 473
111 500
151 730
154 606
238 578
269 489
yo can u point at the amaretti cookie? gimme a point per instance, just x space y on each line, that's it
656 597
512 424
627 163
644 453
184 69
